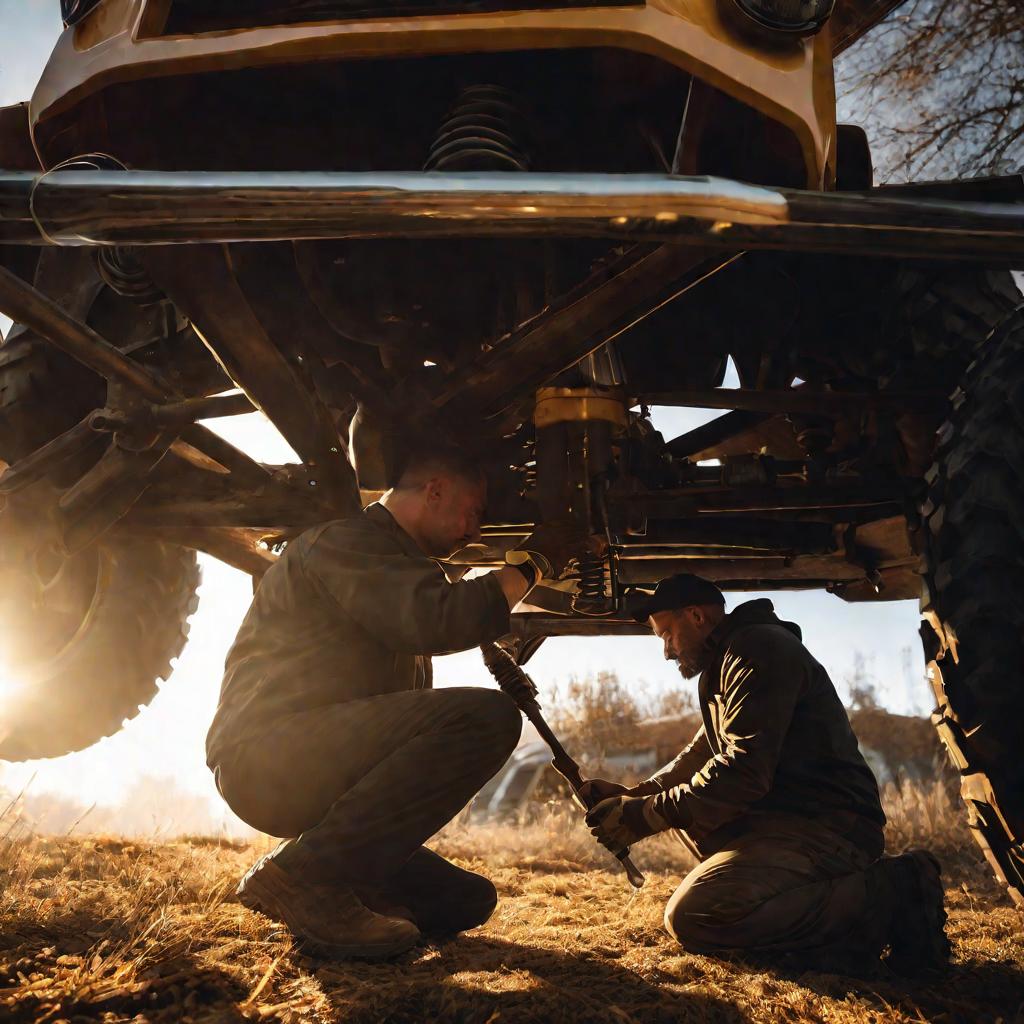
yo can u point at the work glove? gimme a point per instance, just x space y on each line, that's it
593 791
557 544
620 821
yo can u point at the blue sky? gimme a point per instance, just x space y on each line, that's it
167 737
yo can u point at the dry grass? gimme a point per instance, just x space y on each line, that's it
103 930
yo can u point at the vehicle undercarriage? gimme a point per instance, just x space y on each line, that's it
542 247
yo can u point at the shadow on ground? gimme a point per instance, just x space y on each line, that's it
523 983
76 967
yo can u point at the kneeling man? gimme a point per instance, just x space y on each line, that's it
775 799
328 731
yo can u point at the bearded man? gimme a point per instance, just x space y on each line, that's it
776 801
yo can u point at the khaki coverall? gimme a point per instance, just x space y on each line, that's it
777 801
328 730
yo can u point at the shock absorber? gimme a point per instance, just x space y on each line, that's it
574 430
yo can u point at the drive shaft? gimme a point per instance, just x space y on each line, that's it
505 671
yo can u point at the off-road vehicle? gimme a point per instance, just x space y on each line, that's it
522 225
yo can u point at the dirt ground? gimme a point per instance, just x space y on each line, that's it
109 930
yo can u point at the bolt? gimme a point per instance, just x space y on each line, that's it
312 483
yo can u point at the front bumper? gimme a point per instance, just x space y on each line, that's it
152 208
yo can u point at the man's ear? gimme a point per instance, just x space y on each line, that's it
697 614
433 489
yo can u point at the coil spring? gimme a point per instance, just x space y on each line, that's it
592 573
484 131
121 271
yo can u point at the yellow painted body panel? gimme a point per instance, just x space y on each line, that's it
791 82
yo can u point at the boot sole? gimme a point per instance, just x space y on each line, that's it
256 896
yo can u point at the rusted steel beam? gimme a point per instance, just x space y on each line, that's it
596 311
723 532
270 509
107 491
808 567
25 305
172 413
115 483
153 208
240 548
797 400
684 502
720 534
719 430
36 465
204 287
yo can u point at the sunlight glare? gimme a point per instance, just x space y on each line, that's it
11 687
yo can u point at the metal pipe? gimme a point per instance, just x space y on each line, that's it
102 207
514 681
210 407
188 410
26 305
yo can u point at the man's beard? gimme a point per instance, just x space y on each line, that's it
691 665
688 669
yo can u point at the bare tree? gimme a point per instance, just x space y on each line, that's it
939 85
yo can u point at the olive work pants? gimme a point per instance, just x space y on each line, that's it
788 886
360 786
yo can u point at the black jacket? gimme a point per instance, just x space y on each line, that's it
352 609
776 740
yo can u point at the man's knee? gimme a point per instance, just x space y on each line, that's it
498 719
704 914
685 922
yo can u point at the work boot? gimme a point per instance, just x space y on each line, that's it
383 902
327 919
918 938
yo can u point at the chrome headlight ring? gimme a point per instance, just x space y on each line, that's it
795 17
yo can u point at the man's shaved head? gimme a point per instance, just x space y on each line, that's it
423 462
439 498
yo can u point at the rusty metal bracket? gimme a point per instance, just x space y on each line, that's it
116 482
596 311
205 288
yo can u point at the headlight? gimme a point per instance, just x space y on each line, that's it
73 11
802 17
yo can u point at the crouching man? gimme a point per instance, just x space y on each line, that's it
775 799
328 732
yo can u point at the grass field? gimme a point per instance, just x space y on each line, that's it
108 930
